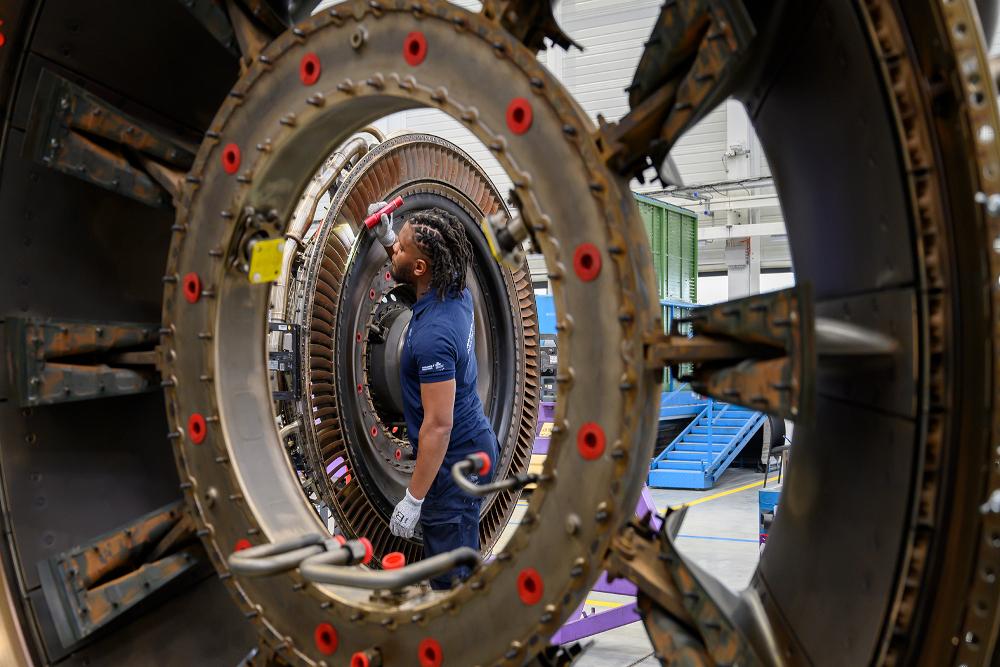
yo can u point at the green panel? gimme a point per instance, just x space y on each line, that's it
675 257
673 242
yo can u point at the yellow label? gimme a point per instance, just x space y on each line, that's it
546 431
265 260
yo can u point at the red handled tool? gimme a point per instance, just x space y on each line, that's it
373 219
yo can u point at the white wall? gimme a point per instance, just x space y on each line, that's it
715 289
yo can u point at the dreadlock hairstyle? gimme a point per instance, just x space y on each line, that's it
441 237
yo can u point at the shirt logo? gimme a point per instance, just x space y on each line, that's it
436 366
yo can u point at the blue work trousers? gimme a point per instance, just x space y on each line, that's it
449 517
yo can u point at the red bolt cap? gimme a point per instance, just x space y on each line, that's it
197 428
530 586
369 551
326 638
519 115
429 653
415 48
393 561
590 441
587 261
192 287
231 158
242 544
485 465
309 69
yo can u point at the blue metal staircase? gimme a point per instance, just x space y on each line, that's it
681 403
702 452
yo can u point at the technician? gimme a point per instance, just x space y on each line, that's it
444 416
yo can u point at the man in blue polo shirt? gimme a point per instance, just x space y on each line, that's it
444 416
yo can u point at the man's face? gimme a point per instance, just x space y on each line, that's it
408 261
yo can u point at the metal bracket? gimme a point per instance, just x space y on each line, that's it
691 617
91 585
529 21
758 352
56 362
286 361
212 16
560 656
683 74
78 133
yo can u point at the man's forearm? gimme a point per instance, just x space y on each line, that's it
432 446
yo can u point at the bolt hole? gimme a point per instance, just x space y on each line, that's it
414 47
519 115
960 30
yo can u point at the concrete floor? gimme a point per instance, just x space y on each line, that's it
719 534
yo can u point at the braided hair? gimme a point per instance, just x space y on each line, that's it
441 237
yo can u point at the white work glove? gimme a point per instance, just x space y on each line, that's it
405 516
383 228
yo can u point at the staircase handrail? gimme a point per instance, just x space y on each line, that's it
754 420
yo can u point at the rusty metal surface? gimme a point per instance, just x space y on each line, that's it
93 584
685 71
77 133
692 618
758 352
530 21
911 145
52 361
562 175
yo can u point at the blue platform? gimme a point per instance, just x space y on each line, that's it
699 455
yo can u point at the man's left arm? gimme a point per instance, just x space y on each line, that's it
438 399
435 357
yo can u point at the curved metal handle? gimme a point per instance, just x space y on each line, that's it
479 463
329 568
266 559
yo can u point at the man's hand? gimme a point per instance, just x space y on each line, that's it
405 516
383 230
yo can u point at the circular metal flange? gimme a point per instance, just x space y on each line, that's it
471 72
358 428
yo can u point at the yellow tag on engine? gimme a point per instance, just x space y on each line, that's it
265 260
546 431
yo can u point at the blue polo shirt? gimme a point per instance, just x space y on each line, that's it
440 345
